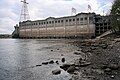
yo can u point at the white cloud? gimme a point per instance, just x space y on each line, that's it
41 9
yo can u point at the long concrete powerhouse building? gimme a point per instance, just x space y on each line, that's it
71 26
80 25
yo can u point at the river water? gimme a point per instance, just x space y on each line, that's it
19 57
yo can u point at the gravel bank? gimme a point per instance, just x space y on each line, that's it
101 60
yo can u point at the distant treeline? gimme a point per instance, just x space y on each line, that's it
5 36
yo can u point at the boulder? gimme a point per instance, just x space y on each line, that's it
65 66
51 50
45 63
112 76
107 70
39 65
63 60
57 62
113 66
104 46
56 72
71 69
58 49
104 66
84 64
93 48
51 62
78 52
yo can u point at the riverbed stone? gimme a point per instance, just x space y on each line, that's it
84 64
56 72
71 69
104 46
65 66
107 70
78 52
51 50
57 62
113 66
45 63
39 65
51 62
63 60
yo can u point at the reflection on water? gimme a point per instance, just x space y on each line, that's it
19 57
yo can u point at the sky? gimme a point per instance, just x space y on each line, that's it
41 9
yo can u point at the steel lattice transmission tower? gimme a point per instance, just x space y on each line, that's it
24 12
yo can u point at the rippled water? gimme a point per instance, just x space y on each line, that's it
19 57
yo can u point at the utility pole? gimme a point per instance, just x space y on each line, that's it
24 12
24 15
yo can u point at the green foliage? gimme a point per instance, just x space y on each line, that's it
115 16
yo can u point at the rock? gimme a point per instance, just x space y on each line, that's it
84 64
65 66
83 44
51 62
104 46
79 49
71 69
107 70
103 66
113 66
56 72
78 52
38 65
58 49
117 39
112 76
98 71
63 60
92 48
51 50
45 63
57 62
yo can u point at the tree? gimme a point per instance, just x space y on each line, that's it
115 16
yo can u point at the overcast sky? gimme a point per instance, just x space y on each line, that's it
40 9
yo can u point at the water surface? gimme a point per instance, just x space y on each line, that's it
19 57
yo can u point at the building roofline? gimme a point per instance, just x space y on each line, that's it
57 17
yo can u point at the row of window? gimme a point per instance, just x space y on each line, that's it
58 21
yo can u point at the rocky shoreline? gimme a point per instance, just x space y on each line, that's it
101 60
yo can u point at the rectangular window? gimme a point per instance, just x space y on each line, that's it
58 21
73 19
69 20
90 18
77 19
61 20
66 20
55 21
49 22
85 18
81 19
